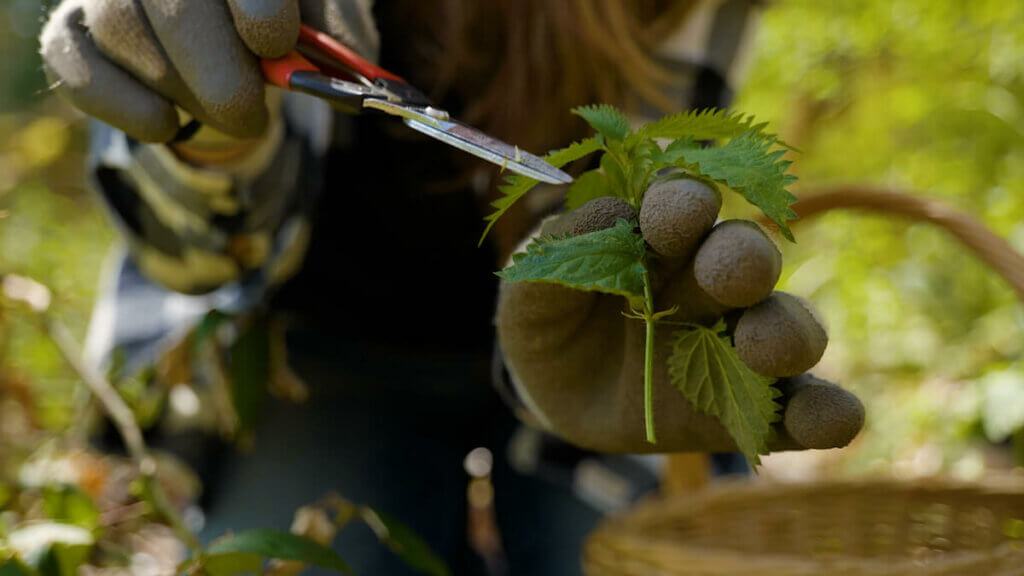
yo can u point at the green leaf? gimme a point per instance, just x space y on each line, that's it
674 152
616 178
573 152
208 326
609 261
405 543
14 567
606 120
52 548
706 124
749 166
516 186
250 373
229 564
705 367
589 186
281 545
68 505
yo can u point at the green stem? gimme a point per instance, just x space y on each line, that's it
649 358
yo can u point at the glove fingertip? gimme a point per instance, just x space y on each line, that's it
738 264
598 214
780 337
269 28
821 415
223 75
248 118
78 71
676 214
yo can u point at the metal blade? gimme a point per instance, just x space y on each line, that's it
438 125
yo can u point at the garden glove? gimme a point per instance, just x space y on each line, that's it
130 62
578 363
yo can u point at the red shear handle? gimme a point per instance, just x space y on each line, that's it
279 70
343 54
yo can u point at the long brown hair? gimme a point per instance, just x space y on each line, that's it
515 67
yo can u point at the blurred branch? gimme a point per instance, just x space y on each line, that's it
988 246
124 420
120 414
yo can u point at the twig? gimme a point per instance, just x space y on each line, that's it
124 421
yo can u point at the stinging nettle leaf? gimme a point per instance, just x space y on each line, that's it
517 186
589 186
707 124
613 173
606 120
609 261
749 166
705 367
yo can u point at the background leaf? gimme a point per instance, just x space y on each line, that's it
517 185
281 545
609 261
705 367
405 543
14 567
228 564
250 373
606 120
52 548
69 505
208 326
749 166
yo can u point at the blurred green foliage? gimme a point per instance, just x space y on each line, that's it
925 96
51 229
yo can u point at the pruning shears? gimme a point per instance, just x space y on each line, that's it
325 68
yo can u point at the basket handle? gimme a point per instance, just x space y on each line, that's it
992 249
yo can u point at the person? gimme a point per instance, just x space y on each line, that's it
362 235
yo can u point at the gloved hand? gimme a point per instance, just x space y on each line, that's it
128 62
578 362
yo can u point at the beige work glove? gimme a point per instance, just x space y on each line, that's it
577 362
129 62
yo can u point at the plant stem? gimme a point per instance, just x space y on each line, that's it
124 421
649 358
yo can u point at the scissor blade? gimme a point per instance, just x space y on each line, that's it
438 125
481 145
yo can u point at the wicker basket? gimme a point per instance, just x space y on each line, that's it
882 528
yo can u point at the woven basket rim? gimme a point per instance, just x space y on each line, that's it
635 530
736 489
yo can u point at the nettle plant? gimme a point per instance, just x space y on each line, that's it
715 146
